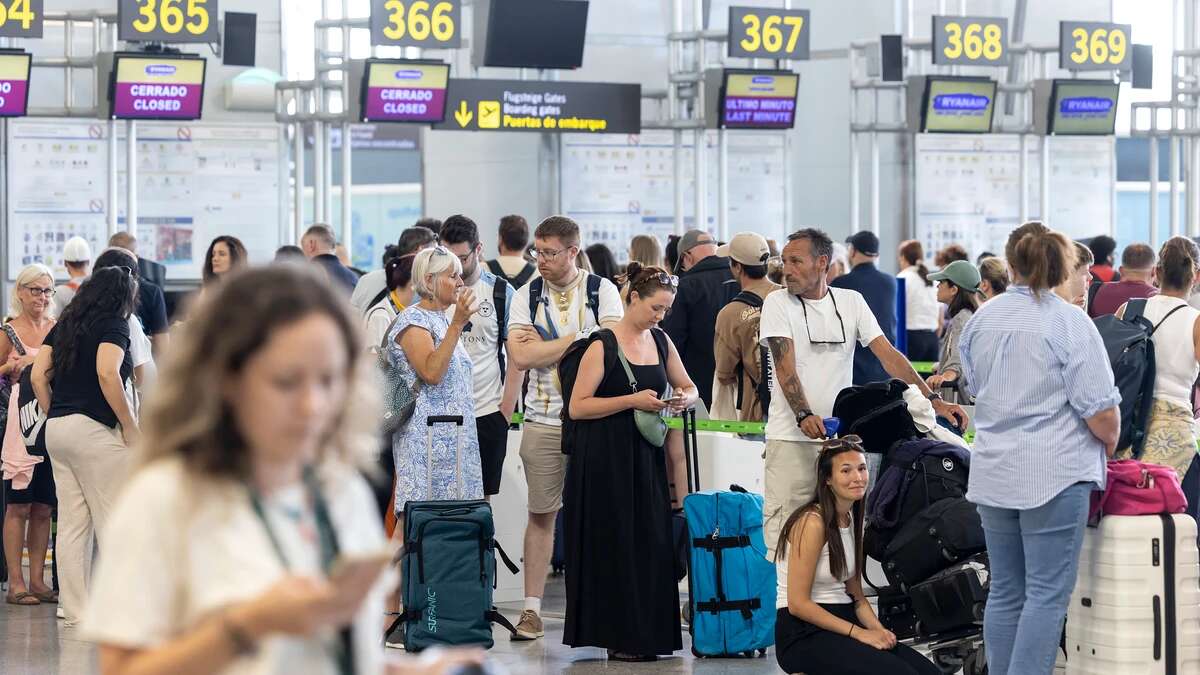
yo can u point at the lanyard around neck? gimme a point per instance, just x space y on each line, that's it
343 652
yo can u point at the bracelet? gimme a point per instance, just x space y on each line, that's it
851 633
242 644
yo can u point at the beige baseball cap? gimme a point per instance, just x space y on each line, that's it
746 248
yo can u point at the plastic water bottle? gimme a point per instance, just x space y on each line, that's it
831 426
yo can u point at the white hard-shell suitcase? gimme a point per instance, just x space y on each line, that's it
1136 605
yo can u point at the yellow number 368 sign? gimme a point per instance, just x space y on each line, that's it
168 20
970 40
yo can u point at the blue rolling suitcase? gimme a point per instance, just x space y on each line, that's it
731 584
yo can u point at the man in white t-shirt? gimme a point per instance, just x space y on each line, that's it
811 330
496 390
569 304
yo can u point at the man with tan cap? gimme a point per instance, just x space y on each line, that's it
740 359
692 321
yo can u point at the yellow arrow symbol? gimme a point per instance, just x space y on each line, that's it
463 115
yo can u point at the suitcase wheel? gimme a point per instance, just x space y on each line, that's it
977 611
696 653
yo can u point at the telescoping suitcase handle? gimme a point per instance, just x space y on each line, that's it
691 456
430 421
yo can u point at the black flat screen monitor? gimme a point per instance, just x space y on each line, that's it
958 105
1083 108
536 33
759 99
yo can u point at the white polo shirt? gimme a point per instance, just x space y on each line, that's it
480 340
824 369
543 402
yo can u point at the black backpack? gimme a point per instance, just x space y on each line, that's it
762 383
568 369
1130 347
536 299
875 412
517 281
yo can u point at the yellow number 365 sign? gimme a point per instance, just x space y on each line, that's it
168 20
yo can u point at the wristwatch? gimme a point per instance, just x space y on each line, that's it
934 396
803 415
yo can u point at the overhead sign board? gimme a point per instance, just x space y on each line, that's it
1094 45
167 20
531 105
759 32
433 24
759 99
21 18
970 40
14 83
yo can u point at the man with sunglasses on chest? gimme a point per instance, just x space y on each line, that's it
811 331
548 314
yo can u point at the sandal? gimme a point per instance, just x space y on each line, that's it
49 597
24 598
614 655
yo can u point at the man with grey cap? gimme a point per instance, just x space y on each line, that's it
741 361
77 257
692 321
879 290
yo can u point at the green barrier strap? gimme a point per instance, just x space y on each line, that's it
923 367
726 426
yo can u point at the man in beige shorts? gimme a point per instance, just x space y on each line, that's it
811 330
546 317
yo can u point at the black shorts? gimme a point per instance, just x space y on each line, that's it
40 490
493 446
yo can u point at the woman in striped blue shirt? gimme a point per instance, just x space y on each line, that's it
1046 418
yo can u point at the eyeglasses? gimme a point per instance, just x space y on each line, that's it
48 292
851 442
808 329
664 279
550 253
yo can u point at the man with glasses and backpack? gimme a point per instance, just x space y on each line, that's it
496 385
548 315
811 330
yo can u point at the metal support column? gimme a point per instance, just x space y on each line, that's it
347 223
723 185
131 180
1154 242
113 196
318 171
1173 173
1044 189
298 180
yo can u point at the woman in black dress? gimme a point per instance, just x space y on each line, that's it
622 592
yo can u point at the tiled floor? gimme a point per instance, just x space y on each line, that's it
33 642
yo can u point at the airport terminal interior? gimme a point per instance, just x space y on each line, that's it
499 337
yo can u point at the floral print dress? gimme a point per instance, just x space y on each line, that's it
448 451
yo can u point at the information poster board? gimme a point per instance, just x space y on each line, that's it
968 189
618 186
195 182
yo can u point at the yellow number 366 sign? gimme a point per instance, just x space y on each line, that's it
1090 45
168 20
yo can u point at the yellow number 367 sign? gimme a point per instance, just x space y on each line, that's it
1090 45
168 20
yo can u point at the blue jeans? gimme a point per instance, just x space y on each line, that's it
1034 557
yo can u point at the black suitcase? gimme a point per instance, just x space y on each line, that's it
952 598
896 612
942 534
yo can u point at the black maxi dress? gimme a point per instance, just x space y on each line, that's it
622 592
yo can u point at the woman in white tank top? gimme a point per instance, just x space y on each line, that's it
1171 435
824 624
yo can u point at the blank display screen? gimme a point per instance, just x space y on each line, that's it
536 33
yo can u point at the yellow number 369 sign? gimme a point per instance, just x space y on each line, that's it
1090 45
